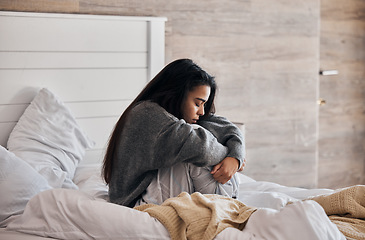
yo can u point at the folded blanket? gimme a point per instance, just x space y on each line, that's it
346 208
199 216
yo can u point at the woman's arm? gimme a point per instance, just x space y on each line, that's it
168 140
229 135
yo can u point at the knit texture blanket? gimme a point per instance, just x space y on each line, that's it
199 216
346 208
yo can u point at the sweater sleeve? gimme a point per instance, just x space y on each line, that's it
173 140
227 134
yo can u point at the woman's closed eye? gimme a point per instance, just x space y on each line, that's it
199 104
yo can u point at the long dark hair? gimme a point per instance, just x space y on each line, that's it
168 89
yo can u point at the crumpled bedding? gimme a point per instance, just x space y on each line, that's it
346 208
86 214
199 216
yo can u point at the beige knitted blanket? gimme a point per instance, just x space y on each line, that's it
346 208
198 216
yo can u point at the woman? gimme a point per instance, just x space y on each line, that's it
168 141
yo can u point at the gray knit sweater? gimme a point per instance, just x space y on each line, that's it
152 139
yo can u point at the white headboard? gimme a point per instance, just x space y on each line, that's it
95 64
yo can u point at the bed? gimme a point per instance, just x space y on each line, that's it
64 81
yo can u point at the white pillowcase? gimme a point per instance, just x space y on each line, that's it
89 180
19 182
48 137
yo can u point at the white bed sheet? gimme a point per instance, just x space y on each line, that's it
13 235
86 214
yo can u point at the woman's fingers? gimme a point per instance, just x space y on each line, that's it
226 169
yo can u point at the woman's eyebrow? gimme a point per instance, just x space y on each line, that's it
201 99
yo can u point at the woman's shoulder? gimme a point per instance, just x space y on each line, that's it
149 109
146 106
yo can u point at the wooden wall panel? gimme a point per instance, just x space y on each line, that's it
265 56
342 118
65 6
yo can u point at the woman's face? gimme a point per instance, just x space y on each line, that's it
193 105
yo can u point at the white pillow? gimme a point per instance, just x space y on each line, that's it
48 137
18 183
89 180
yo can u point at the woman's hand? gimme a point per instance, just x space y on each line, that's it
224 171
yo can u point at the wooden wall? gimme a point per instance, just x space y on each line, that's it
342 118
265 56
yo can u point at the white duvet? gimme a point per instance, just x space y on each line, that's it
86 214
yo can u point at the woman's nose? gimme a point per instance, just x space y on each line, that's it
201 111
